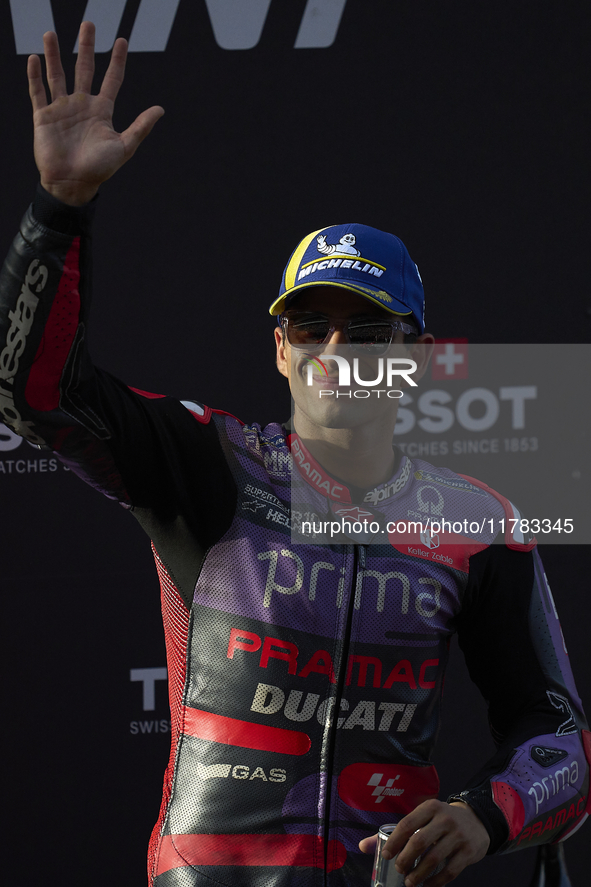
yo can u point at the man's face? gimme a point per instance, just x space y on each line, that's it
293 362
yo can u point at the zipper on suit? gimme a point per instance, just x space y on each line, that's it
359 562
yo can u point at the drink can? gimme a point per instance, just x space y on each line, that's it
384 872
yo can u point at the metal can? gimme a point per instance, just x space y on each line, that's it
384 873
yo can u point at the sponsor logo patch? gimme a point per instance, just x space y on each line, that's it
16 340
344 255
545 757
386 491
239 771
454 483
396 788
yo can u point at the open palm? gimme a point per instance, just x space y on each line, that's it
76 147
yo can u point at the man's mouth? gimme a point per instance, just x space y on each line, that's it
323 381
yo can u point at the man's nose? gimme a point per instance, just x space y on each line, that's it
338 338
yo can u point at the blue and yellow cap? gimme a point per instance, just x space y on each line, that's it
364 260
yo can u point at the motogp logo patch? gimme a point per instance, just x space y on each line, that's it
390 788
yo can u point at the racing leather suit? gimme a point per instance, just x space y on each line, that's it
304 679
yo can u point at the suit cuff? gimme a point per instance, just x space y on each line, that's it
58 216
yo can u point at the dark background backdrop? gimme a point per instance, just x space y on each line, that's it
461 126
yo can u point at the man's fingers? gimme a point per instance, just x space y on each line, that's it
419 844
455 864
445 852
36 86
53 66
453 867
454 833
140 128
368 845
115 72
406 828
441 831
85 60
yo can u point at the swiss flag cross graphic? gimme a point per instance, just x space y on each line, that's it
450 359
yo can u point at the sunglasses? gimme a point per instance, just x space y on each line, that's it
369 335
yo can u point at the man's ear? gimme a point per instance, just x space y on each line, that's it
421 352
282 357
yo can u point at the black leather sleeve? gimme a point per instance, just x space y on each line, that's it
148 452
509 632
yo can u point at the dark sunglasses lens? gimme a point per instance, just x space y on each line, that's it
365 337
372 338
303 333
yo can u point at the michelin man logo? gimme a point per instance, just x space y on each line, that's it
345 246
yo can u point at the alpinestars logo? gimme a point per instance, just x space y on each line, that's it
16 340
252 505
382 791
353 513
378 494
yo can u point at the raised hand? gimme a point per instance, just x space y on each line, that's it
76 147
